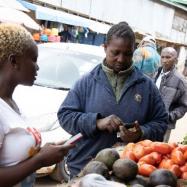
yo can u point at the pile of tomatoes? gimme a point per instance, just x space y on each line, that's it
153 155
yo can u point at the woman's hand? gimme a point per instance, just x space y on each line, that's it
110 123
133 134
52 153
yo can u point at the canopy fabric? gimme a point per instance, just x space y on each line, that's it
44 13
28 5
13 4
19 17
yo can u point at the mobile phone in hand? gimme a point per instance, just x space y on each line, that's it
73 139
129 125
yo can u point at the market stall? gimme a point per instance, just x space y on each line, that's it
145 163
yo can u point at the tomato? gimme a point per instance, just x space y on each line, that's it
148 159
176 170
148 150
129 146
183 147
166 163
157 157
122 154
146 169
128 154
145 143
138 151
173 145
140 163
184 176
179 148
160 147
185 155
168 156
183 168
177 157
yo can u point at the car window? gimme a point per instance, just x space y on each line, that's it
61 68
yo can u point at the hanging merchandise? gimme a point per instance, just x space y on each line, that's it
47 31
36 37
44 38
54 31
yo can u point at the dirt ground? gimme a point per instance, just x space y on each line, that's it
176 136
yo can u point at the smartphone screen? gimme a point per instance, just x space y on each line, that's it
74 139
129 125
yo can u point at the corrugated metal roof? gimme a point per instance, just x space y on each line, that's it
176 4
180 1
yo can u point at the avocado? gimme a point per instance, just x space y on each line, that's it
125 169
139 180
108 156
96 167
162 177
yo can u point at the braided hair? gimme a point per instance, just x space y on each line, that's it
121 30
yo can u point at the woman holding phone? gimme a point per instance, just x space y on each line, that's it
20 151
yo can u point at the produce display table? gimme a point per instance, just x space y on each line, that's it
120 148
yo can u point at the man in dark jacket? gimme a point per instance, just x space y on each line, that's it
112 94
173 88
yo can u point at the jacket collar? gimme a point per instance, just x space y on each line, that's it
167 75
171 72
134 77
111 71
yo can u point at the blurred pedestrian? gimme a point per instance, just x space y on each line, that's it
173 88
146 57
65 35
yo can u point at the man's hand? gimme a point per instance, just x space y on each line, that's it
133 134
110 123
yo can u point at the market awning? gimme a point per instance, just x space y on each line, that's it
28 5
13 4
44 13
16 16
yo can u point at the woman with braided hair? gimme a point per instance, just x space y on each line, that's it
113 93
20 152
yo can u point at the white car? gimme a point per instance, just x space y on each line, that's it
61 65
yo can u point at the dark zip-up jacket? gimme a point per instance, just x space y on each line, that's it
173 89
92 97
